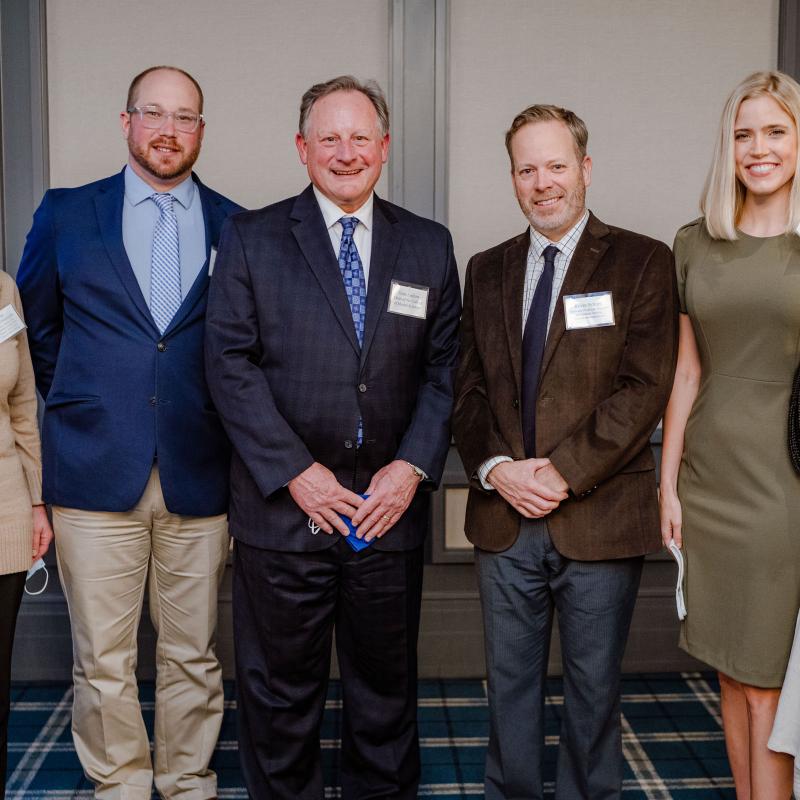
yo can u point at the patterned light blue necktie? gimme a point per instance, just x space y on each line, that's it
165 264
355 285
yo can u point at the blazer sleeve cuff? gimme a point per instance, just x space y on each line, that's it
577 480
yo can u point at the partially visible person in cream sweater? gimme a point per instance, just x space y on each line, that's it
25 532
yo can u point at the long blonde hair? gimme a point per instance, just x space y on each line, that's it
723 193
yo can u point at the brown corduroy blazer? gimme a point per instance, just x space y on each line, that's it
601 392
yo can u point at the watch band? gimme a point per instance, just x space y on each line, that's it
417 471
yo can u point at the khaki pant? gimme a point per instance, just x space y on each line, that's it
104 559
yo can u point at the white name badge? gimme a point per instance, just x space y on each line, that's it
10 323
408 299
593 310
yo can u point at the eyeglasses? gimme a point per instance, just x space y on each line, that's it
153 118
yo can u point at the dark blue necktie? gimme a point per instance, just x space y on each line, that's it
533 349
355 286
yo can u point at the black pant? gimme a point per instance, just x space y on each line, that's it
285 606
11 587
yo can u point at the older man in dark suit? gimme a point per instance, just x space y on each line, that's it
568 351
334 382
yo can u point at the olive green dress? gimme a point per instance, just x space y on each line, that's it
739 494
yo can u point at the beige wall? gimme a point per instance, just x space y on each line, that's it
254 59
649 77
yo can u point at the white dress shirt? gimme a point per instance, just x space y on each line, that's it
533 271
362 235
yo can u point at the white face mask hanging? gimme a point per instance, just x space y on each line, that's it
37 567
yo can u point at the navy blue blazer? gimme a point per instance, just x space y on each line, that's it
290 380
118 394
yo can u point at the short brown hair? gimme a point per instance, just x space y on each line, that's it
345 83
545 113
134 87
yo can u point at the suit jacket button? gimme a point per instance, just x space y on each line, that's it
515 403
362 387
162 346
348 444
152 401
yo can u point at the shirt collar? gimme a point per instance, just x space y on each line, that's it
137 190
566 244
331 213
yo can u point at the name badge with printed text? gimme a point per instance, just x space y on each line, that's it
593 310
10 323
408 299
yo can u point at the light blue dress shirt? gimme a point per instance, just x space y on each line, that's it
139 217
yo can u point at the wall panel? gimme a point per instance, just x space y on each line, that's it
648 77
253 59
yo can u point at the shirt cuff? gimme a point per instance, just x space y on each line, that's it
487 466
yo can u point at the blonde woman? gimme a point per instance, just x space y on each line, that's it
25 533
729 494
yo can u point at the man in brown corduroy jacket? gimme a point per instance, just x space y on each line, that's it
567 356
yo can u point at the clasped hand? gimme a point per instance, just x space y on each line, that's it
323 498
534 487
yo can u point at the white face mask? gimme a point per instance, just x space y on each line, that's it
39 565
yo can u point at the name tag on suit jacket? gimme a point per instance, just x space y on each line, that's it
408 299
592 310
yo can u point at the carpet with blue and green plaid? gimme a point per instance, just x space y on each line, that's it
671 728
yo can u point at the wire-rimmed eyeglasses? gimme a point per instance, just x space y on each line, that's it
154 117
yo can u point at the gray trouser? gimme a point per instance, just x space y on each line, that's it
519 589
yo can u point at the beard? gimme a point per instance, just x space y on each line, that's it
150 160
540 220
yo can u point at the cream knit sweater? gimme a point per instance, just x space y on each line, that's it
20 459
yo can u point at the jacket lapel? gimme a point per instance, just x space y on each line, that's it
213 217
385 247
589 251
515 261
108 205
315 244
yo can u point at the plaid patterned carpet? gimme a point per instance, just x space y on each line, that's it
672 738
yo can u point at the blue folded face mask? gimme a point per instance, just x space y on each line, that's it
39 565
354 542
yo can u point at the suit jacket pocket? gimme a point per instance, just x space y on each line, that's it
57 399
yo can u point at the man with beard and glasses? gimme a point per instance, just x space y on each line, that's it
114 280
569 339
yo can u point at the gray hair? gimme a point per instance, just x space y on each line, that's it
345 83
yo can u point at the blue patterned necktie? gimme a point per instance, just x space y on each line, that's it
353 276
165 264
355 286
533 341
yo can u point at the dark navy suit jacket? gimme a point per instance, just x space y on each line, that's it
118 394
290 380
